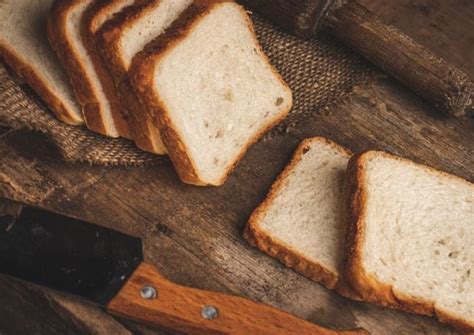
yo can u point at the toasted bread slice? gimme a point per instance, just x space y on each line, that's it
302 222
25 48
211 88
64 33
121 39
410 240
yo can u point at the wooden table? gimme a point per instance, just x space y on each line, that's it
193 235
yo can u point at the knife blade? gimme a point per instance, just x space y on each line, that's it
106 267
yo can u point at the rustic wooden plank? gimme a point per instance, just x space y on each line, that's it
434 79
443 26
193 235
26 309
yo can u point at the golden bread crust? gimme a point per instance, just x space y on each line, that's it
366 284
118 111
142 126
39 84
83 89
292 258
141 74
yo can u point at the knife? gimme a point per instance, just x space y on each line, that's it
106 267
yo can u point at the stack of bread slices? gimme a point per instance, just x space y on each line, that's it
178 77
374 227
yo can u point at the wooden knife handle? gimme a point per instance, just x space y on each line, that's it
441 84
194 311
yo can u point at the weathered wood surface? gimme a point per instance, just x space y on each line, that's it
445 27
179 307
193 235
440 83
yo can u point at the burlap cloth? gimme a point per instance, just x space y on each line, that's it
320 72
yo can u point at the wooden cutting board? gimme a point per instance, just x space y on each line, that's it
193 235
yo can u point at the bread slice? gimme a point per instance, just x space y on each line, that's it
102 112
301 222
93 18
25 48
211 88
121 39
102 11
410 240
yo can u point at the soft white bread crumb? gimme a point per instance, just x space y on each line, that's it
303 218
218 93
90 77
24 46
412 235
147 27
123 39
155 18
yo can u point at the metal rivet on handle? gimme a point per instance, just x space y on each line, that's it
148 292
209 312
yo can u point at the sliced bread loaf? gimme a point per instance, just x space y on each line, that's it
301 222
64 33
212 89
121 39
410 240
25 48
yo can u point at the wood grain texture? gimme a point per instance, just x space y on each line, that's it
443 85
26 309
443 26
179 307
193 235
